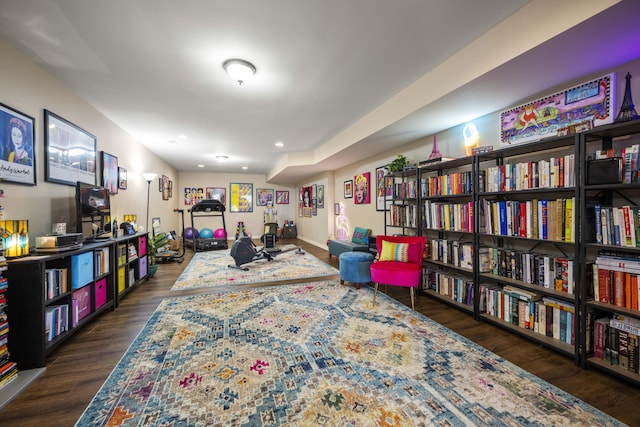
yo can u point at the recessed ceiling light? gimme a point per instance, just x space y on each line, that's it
279 144
183 136
173 141
200 166
245 168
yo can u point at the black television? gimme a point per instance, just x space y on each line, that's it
93 211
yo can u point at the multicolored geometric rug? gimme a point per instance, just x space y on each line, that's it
318 354
211 269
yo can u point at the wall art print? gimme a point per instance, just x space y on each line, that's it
264 196
70 151
217 193
282 197
384 188
241 197
110 172
193 195
17 152
586 105
362 184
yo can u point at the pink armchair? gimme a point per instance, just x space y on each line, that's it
398 263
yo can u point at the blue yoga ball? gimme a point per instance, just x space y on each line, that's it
190 233
206 233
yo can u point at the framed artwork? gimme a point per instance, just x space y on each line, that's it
122 178
282 197
307 196
17 162
70 152
160 184
348 189
384 187
241 197
336 208
110 172
165 187
362 187
217 193
264 197
193 195
170 189
320 196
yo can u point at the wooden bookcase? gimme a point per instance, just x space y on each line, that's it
54 295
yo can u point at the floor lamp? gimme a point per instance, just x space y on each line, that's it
148 177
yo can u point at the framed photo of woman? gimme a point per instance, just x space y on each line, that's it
17 161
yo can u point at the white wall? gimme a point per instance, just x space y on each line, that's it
26 87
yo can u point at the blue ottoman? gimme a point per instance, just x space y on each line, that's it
355 267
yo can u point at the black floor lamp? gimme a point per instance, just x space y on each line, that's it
148 177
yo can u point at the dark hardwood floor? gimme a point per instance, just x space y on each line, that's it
77 369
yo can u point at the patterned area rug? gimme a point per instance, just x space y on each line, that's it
318 354
209 269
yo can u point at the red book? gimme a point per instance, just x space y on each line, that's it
604 283
618 288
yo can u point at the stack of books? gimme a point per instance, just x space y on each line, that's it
8 369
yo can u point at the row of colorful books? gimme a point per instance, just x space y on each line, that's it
547 316
445 185
56 321
102 261
616 279
556 172
56 282
8 368
619 226
547 271
456 253
405 190
617 340
533 219
449 216
455 288
403 215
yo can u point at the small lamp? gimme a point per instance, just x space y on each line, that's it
148 177
15 237
239 69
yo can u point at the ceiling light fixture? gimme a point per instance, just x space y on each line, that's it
239 69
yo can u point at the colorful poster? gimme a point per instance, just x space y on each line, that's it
578 108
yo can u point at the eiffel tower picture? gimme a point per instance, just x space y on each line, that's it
627 110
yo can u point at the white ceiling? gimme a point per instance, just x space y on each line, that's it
335 78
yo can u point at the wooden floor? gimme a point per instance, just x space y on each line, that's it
77 369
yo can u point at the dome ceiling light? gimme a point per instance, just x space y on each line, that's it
239 70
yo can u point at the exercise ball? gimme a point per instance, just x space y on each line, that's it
190 233
219 233
206 233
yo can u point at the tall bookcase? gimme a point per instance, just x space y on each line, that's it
402 209
610 324
54 295
446 215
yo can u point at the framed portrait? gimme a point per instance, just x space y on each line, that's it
264 196
110 172
241 194
70 152
348 189
18 163
193 195
165 187
384 187
320 196
170 189
282 197
122 178
307 196
362 186
217 193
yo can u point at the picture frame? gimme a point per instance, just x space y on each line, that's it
61 166
170 189
307 196
122 178
264 196
217 193
320 196
193 195
165 187
241 197
17 133
110 172
160 184
348 189
282 197
336 208
362 188
384 188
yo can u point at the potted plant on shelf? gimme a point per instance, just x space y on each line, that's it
156 242
398 163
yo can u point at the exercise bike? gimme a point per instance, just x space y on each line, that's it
170 255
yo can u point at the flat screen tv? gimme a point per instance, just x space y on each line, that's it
93 210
